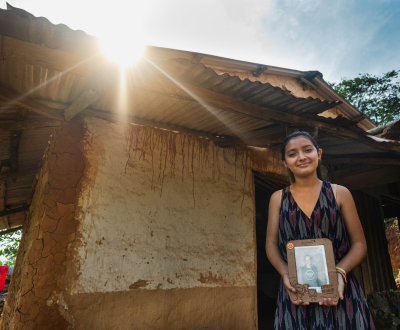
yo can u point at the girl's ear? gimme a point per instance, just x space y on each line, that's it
284 164
319 153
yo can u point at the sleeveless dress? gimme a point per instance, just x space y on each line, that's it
326 222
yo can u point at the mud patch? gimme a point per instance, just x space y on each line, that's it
35 299
139 284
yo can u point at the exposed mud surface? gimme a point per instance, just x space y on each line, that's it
44 263
227 308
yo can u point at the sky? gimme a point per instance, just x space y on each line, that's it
340 38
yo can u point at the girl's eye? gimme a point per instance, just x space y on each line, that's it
308 150
291 155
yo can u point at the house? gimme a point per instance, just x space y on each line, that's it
148 209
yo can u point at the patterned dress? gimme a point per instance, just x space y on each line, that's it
326 222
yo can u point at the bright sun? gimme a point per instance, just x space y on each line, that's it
122 49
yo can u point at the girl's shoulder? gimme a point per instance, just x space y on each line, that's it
341 193
275 199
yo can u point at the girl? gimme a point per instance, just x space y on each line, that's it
311 208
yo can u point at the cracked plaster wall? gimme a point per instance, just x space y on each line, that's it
176 250
45 264
118 241
137 237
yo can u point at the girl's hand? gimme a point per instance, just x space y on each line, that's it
289 289
329 301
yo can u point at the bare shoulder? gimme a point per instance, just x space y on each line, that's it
343 195
275 200
343 190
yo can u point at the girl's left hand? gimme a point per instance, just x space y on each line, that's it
329 301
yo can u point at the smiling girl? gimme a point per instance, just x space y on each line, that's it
312 208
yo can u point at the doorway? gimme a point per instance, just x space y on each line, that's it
268 278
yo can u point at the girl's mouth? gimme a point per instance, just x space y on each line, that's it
303 165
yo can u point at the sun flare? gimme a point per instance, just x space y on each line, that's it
124 50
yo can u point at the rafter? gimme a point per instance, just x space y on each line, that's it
27 52
13 211
8 231
28 124
227 103
26 103
16 175
86 98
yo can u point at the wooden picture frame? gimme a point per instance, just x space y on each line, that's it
312 270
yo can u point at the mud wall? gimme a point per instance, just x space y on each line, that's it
167 226
136 228
45 262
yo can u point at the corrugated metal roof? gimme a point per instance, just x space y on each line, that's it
46 84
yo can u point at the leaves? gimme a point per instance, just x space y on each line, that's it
9 244
378 97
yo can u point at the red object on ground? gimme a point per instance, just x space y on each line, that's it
3 275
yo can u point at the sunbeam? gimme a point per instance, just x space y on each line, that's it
25 95
209 108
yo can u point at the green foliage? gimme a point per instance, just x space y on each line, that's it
9 244
378 97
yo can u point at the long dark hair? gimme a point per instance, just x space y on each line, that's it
292 136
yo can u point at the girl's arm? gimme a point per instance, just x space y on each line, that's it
271 244
358 246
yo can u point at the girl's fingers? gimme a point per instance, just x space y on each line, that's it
328 302
287 284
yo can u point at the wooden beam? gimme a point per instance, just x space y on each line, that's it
104 80
13 211
6 222
16 175
24 102
393 198
86 98
8 231
353 170
114 117
208 98
367 161
27 52
372 178
14 148
28 124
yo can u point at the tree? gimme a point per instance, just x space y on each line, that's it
9 244
378 97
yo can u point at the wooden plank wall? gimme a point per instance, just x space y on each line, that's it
375 272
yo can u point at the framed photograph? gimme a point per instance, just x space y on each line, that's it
312 270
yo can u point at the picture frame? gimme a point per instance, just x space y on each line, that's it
312 270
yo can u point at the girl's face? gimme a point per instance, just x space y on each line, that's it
301 156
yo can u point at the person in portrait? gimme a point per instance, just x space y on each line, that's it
310 273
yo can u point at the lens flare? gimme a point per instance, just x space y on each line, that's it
123 49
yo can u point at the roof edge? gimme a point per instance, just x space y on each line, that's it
314 77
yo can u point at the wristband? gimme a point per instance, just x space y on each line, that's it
342 271
341 274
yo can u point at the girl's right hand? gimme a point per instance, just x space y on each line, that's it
289 289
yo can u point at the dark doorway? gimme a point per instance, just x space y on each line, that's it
267 277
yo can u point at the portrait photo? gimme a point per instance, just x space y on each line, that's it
311 266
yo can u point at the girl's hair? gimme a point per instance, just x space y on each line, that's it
292 136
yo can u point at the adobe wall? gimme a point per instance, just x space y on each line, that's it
136 228
45 265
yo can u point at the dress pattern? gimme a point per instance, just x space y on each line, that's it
326 221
